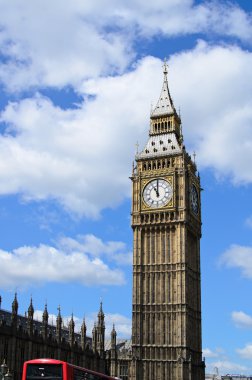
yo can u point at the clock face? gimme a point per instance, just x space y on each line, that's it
194 200
157 193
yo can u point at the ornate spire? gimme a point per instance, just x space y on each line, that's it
71 330
113 352
83 334
94 337
45 314
83 327
165 104
165 126
101 314
30 310
71 323
59 319
113 332
45 322
58 326
15 305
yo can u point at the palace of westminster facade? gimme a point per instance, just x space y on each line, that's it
166 306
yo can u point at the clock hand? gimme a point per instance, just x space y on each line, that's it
157 189
157 193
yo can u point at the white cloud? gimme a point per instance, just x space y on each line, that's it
122 323
217 362
82 157
73 46
84 261
208 353
238 257
242 319
213 85
184 17
226 366
80 42
246 352
115 251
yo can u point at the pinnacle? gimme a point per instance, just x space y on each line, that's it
165 104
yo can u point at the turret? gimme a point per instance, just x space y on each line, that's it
30 318
71 331
94 338
113 338
58 326
100 331
45 323
113 356
83 334
14 310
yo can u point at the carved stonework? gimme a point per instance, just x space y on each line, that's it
166 222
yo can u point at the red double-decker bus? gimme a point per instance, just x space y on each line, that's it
51 369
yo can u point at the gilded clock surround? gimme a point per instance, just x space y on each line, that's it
166 317
145 181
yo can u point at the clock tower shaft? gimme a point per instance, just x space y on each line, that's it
166 321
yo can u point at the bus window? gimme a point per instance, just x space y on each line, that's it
82 374
45 371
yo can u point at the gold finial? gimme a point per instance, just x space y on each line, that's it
165 67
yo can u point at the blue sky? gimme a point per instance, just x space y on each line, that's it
77 83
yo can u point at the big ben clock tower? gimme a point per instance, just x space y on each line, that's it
166 222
